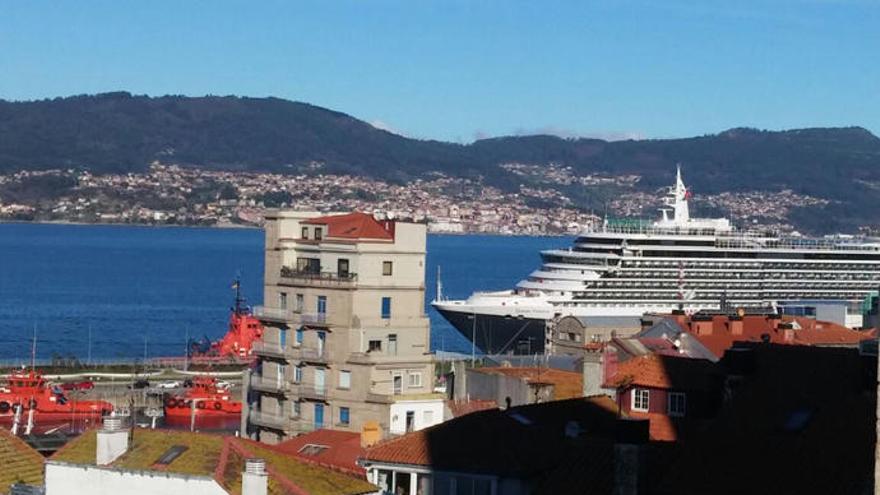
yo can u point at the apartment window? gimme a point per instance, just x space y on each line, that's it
342 268
299 336
282 300
375 346
322 305
298 374
386 308
300 302
410 421
677 404
428 418
640 398
305 232
415 380
345 379
297 408
392 344
319 233
344 415
397 384
282 338
308 265
387 268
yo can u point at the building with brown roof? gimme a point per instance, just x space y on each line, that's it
519 385
494 451
160 462
346 341
19 463
329 448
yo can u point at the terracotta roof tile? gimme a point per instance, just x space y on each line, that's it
566 384
462 407
355 225
664 372
343 448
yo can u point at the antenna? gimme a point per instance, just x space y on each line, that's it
439 295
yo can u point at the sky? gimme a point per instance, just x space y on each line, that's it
463 70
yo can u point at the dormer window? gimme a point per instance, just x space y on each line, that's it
305 233
319 234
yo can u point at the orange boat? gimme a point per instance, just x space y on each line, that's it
244 330
205 398
27 391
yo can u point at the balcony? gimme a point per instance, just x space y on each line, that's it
342 280
272 386
290 317
268 349
379 398
308 354
309 391
276 422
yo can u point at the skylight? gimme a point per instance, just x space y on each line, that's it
171 454
311 449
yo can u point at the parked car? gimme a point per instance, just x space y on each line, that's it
140 383
78 386
170 384
223 384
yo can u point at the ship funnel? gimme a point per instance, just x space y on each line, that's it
254 479
112 441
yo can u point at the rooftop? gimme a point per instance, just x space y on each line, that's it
522 441
355 225
566 384
330 448
664 372
21 463
219 457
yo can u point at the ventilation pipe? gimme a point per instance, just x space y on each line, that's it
112 441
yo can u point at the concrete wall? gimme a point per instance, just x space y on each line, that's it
69 479
487 386
425 413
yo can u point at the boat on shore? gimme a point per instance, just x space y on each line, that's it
203 399
28 401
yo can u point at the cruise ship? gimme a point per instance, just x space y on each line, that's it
620 270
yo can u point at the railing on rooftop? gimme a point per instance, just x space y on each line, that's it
309 276
269 420
289 315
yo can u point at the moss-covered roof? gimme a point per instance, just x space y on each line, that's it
20 463
220 457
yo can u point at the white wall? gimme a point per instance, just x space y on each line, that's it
70 479
400 408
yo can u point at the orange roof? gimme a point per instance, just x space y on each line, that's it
566 384
517 440
462 407
355 225
716 332
664 372
343 448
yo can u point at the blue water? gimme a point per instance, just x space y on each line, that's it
146 288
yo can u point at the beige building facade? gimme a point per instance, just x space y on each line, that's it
346 335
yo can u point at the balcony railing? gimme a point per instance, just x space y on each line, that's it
275 421
309 391
289 316
269 385
308 354
318 278
268 349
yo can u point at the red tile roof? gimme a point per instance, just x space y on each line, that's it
566 384
462 407
355 225
342 452
663 372
717 336
523 441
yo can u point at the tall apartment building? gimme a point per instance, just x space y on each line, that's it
347 341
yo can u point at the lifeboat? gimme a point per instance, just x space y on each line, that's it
243 331
204 399
29 398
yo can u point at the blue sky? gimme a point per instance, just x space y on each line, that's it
460 70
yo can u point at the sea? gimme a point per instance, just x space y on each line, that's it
108 292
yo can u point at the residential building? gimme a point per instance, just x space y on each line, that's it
116 460
334 449
497 451
515 386
346 343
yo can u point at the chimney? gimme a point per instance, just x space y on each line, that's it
254 480
370 434
736 325
593 373
630 459
112 441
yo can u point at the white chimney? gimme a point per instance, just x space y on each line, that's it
112 441
254 480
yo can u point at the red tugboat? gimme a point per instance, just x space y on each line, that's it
28 400
205 398
244 330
